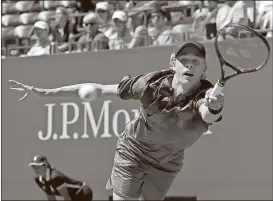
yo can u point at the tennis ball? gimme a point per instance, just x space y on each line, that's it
88 92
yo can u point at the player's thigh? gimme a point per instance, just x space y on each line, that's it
157 184
127 177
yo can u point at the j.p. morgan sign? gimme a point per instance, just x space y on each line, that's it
105 126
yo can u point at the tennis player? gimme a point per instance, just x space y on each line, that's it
55 183
176 109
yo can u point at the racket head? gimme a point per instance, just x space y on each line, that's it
241 48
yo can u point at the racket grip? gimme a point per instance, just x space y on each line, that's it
217 89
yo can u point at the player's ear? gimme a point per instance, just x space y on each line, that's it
172 61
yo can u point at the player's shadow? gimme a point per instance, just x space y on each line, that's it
173 198
179 198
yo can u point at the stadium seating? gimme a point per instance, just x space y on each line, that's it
28 18
18 16
7 33
10 20
68 4
22 31
8 8
24 6
51 5
37 7
46 15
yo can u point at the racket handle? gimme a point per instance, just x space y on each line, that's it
217 89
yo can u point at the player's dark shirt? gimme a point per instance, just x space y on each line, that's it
56 179
166 126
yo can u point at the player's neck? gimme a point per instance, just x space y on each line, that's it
180 89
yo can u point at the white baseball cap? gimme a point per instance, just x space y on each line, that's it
41 25
90 18
121 15
102 6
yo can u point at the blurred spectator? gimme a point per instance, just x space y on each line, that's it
104 15
204 23
85 6
121 37
82 6
265 17
129 5
62 29
42 45
205 14
161 32
232 12
136 25
93 39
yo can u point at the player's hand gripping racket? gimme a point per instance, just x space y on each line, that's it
240 48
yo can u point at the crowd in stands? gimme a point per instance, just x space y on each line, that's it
32 28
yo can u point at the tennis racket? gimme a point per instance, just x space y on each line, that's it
241 49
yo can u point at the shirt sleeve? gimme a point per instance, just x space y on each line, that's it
141 87
132 87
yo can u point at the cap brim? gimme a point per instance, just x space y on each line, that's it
36 164
38 27
104 9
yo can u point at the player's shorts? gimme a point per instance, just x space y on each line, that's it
132 179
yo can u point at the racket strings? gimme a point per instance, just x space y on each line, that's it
242 49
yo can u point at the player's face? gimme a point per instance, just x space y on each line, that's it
189 67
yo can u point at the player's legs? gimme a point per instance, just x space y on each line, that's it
157 184
126 179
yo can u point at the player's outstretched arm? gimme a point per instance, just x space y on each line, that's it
102 91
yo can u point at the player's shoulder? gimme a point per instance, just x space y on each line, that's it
150 77
156 76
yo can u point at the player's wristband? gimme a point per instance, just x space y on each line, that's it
214 112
